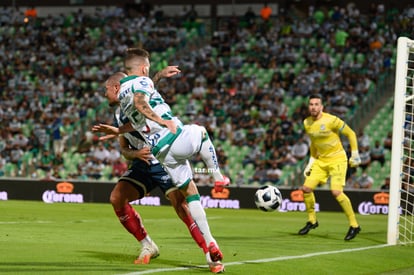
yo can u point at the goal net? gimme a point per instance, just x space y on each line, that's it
401 215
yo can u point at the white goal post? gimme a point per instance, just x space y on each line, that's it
401 196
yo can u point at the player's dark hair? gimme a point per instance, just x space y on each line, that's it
319 96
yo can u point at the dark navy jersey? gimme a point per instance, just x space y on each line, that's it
142 176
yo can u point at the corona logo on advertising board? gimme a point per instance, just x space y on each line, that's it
219 199
295 203
209 202
63 193
378 206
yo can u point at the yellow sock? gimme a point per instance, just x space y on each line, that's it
346 205
309 199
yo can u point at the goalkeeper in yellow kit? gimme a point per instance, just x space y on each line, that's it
328 159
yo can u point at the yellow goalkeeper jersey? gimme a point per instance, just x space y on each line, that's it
324 134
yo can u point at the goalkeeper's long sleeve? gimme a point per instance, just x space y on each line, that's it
350 134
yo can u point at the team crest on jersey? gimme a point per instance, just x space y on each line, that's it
143 83
323 127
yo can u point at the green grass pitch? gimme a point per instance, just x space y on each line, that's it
39 238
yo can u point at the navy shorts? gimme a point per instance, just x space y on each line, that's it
146 177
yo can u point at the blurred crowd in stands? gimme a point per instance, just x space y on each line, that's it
239 83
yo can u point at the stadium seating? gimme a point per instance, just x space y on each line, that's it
377 129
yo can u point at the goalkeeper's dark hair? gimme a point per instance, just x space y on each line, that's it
316 95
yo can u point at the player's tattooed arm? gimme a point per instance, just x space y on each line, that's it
157 77
141 103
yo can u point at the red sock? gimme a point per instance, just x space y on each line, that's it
131 220
196 233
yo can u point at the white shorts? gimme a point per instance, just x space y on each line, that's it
184 147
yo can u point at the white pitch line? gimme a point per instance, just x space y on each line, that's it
159 270
25 222
41 222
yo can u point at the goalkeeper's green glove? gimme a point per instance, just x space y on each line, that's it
354 160
308 167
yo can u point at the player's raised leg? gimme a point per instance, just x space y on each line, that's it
208 154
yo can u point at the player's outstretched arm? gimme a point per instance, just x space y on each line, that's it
168 71
106 129
141 103
107 137
112 131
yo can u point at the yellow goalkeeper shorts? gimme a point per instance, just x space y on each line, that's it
321 171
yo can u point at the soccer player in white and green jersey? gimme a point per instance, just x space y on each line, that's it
172 143
328 159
